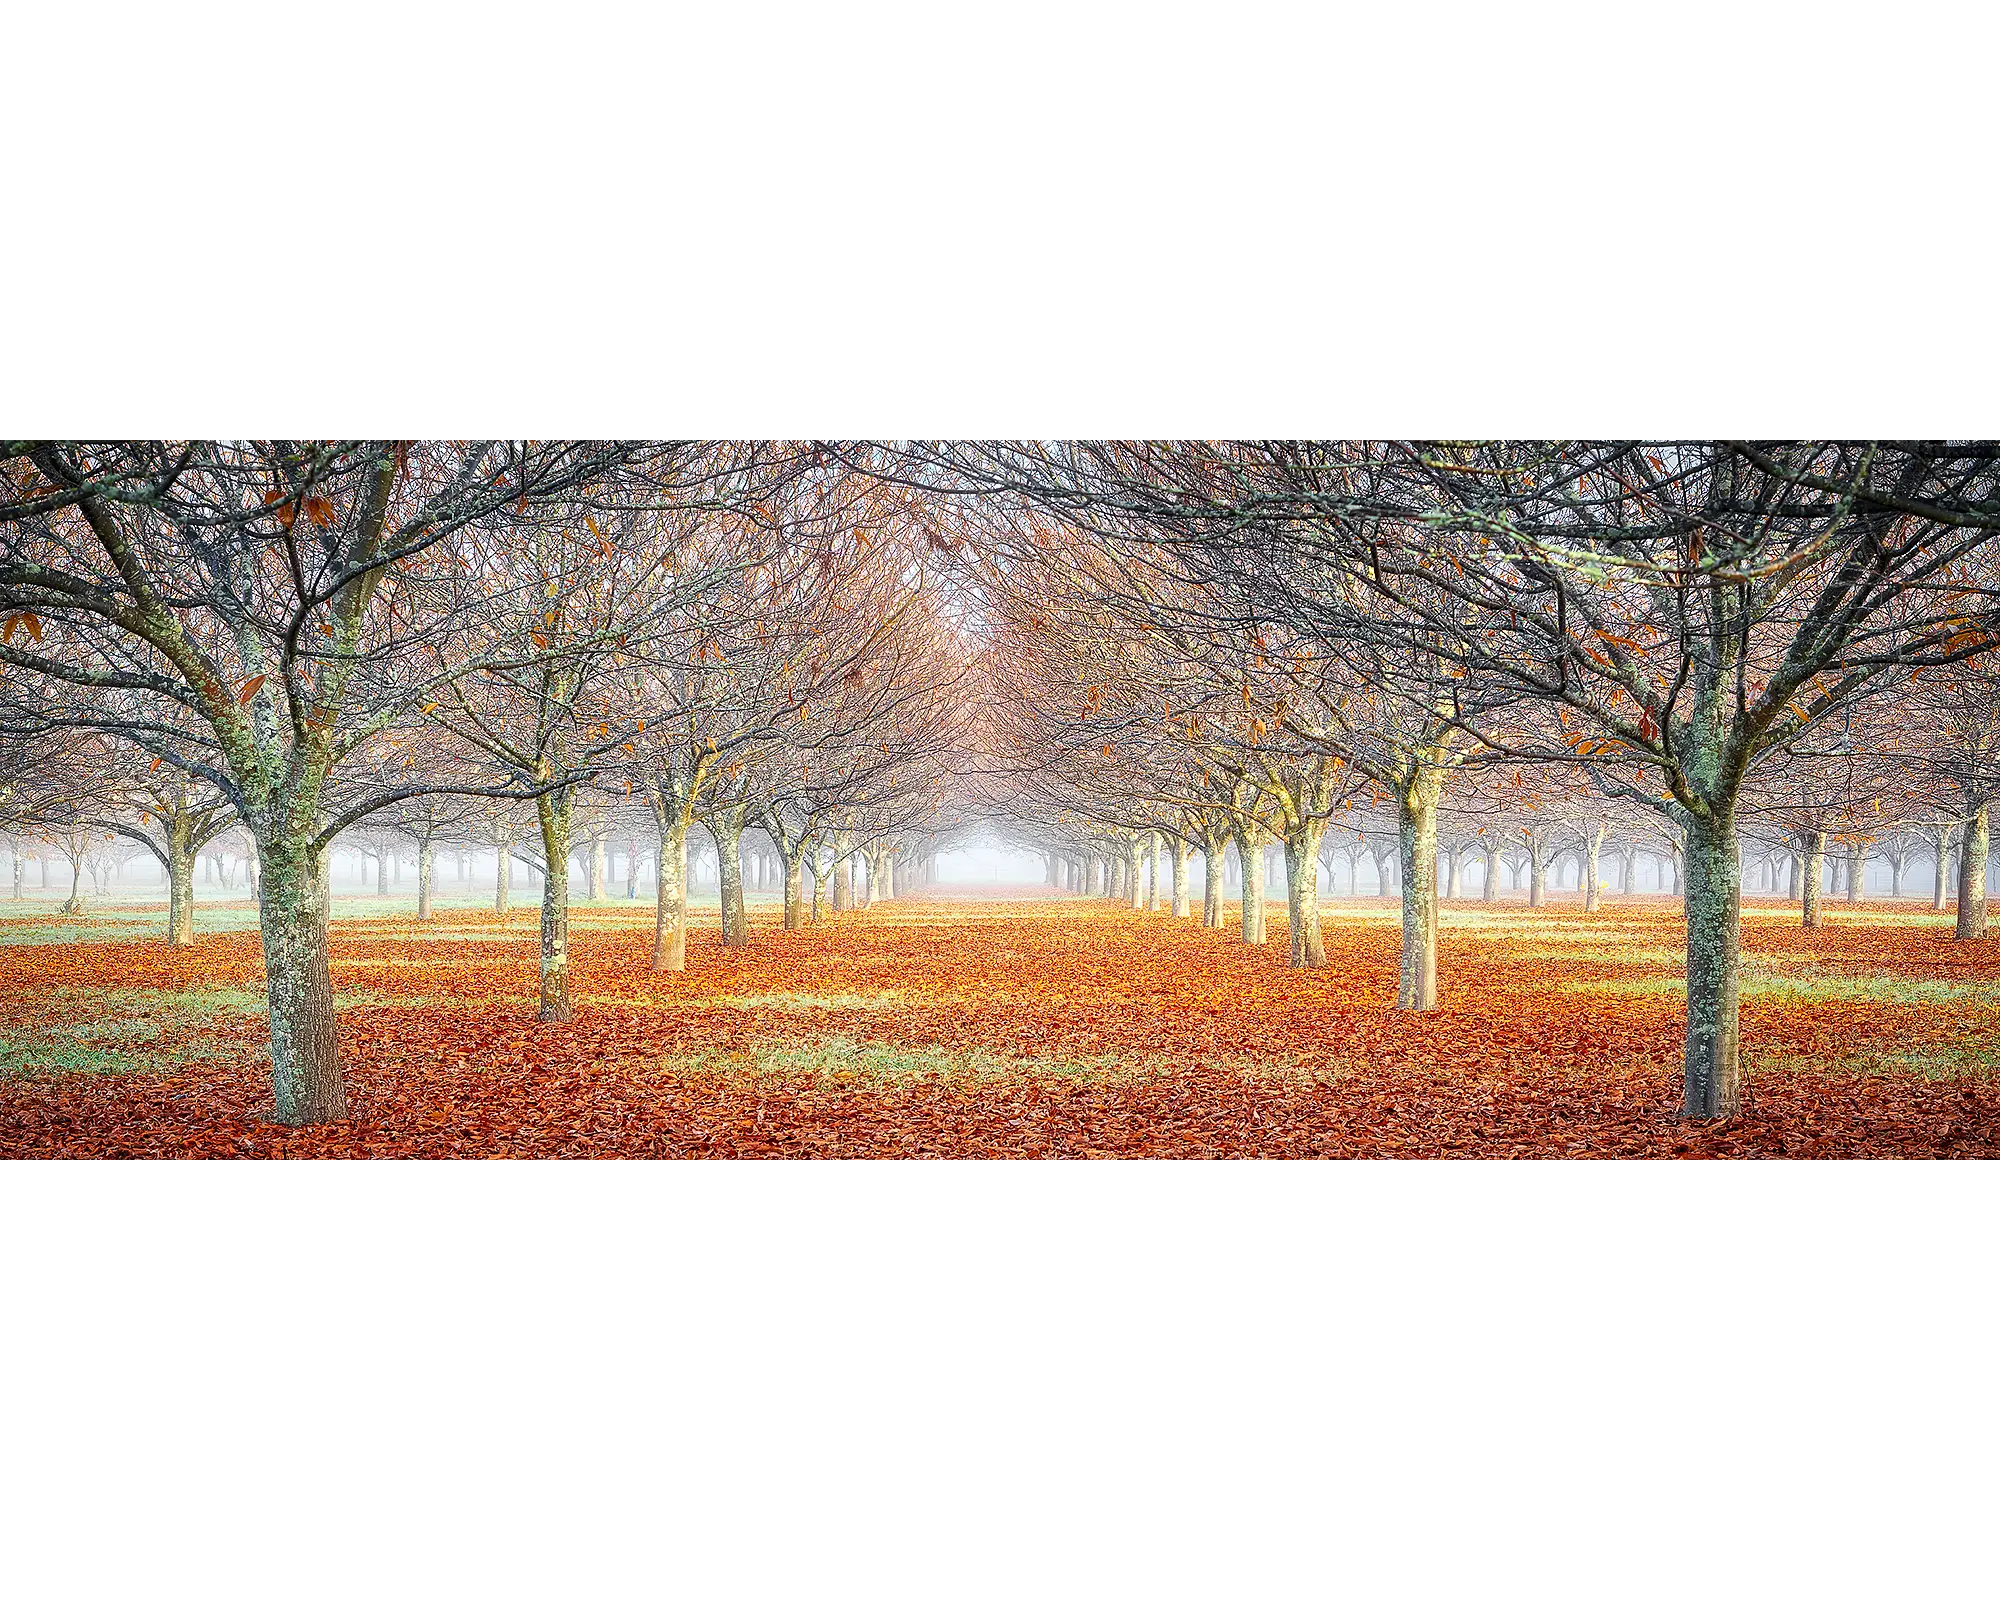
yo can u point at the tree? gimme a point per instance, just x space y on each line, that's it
247 612
1689 607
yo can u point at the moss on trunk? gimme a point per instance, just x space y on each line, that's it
1416 828
1711 1083
1973 842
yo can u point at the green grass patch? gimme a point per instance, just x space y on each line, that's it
843 1059
1765 978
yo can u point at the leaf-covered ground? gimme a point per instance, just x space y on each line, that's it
1037 1027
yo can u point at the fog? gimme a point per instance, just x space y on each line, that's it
989 864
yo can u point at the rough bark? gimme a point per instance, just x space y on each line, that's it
1212 855
180 882
1938 878
670 910
1592 844
843 874
726 829
1857 872
425 868
554 812
1416 828
1972 875
1815 869
795 890
503 872
1251 858
1302 891
1711 1085
305 1059
1153 874
1181 852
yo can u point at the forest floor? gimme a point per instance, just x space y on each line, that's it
1037 1026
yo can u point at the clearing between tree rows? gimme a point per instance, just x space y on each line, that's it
1032 1027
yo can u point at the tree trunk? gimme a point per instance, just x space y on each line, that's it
1815 869
1897 863
381 873
305 1057
1972 875
425 867
1153 874
1302 892
1711 1086
1591 892
1857 872
1250 858
1489 890
1135 873
1938 877
795 890
1795 877
503 873
554 811
1451 886
670 910
1181 907
1212 857
843 875
1416 829
180 883
727 832
594 868
1538 874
